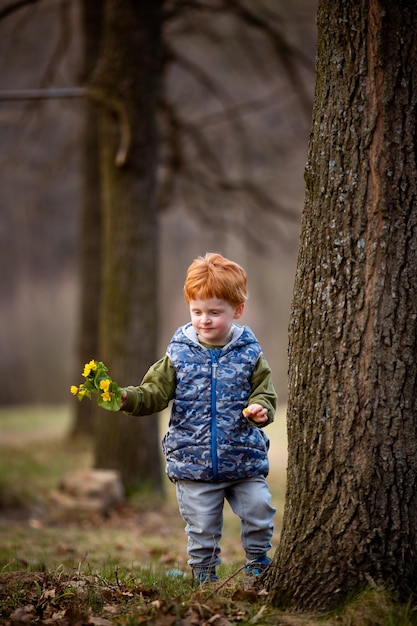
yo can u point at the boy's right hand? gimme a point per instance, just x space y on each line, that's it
123 400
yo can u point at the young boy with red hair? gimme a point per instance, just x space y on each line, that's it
222 392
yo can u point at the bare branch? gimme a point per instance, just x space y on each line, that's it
14 7
175 8
244 108
113 104
177 131
42 94
62 46
212 207
262 200
201 76
285 52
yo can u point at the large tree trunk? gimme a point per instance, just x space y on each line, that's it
90 235
351 509
128 74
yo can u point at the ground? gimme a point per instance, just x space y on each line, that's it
46 552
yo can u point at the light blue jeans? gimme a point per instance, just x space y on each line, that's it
201 506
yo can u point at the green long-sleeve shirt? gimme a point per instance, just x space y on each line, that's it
158 387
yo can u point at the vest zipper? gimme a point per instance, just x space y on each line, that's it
214 367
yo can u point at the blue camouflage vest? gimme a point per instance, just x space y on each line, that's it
208 438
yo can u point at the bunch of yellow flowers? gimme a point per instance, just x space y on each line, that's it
97 380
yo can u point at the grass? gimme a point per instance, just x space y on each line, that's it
129 567
35 455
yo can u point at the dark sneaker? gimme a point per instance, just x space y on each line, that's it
205 575
257 566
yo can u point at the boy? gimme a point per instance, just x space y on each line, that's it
222 393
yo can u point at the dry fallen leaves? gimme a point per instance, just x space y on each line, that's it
60 599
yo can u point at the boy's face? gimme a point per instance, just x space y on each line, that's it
213 318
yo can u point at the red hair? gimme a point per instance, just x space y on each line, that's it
213 276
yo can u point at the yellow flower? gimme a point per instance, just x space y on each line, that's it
105 384
106 396
98 381
89 367
87 370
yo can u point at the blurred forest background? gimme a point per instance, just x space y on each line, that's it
41 47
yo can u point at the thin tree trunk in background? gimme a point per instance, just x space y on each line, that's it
128 73
351 509
90 235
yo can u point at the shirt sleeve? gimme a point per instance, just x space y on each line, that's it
263 391
155 391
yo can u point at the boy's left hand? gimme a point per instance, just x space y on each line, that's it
256 413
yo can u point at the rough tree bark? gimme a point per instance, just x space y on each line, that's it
90 235
351 508
128 74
